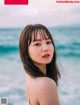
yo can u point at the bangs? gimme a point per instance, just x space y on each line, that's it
38 30
43 34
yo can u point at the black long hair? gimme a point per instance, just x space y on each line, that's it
24 42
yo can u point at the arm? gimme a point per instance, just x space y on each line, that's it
47 92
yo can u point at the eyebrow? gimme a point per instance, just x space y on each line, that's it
40 39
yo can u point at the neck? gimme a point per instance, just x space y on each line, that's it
42 68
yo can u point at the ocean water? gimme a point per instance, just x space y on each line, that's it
12 82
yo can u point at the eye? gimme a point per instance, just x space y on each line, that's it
37 44
48 42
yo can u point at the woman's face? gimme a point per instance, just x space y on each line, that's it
41 50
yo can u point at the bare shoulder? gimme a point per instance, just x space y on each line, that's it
47 92
45 81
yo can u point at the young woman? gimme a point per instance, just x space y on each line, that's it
38 55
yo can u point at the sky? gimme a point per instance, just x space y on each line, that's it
46 12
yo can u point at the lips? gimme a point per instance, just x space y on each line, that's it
46 55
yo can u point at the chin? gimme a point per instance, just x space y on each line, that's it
47 62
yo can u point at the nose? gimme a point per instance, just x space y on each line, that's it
45 48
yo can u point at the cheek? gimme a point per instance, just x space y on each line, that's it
33 52
52 49
30 51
